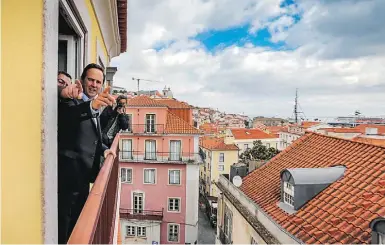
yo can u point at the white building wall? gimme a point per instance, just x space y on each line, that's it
273 142
152 232
192 199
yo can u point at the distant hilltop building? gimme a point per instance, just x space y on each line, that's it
269 121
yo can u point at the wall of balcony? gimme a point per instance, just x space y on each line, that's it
188 150
152 232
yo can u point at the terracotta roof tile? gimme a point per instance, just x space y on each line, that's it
143 101
176 125
212 143
173 103
372 141
339 214
243 133
380 128
306 125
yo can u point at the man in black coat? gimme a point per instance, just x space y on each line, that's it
80 146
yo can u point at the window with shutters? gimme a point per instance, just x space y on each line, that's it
150 150
126 150
173 233
138 202
175 150
174 177
126 175
174 204
149 176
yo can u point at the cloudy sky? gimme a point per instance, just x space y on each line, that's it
249 56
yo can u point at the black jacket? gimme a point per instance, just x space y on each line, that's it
79 138
107 118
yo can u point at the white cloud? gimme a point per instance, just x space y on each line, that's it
338 68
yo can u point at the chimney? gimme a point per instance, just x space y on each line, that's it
371 131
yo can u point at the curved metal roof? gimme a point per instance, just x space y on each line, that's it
307 176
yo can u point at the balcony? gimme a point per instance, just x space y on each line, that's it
166 157
223 237
145 129
98 221
141 214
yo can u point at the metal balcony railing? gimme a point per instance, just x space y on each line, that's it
145 129
96 224
223 237
158 156
141 214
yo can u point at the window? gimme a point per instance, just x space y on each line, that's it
221 157
150 123
175 150
288 193
141 231
126 149
268 145
71 41
246 146
174 204
228 223
174 177
138 202
221 167
173 233
130 230
126 175
129 129
150 153
149 176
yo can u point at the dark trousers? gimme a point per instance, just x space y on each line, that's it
73 190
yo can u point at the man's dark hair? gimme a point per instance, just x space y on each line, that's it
121 97
65 74
92 66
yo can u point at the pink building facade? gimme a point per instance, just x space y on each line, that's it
159 165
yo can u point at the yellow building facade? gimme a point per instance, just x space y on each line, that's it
39 37
218 160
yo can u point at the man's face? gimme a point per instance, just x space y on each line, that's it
123 101
93 82
63 80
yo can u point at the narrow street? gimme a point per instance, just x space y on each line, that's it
206 234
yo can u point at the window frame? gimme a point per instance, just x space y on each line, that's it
126 169
179 158
144 176
133 201
152 153
179 204
288 193
168 232
149 124
133 229
75 22
221 157
221 169
141 234
123 151
180 176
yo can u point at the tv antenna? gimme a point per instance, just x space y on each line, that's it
146 80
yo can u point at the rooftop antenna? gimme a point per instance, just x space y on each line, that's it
296 106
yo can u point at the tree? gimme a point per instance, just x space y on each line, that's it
258 152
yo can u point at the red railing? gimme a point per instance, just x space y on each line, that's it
141 214
96 224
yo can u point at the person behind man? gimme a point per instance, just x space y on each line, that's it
80 146
63 79
114 120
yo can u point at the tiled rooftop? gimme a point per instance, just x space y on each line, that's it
362 127
176 125
173 103
307 125
339 214
372 141
143 101
212 143
254 133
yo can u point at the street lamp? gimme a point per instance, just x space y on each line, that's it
110 73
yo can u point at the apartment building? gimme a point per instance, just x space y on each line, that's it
218 158
322 190
244 138
159 166
37 39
